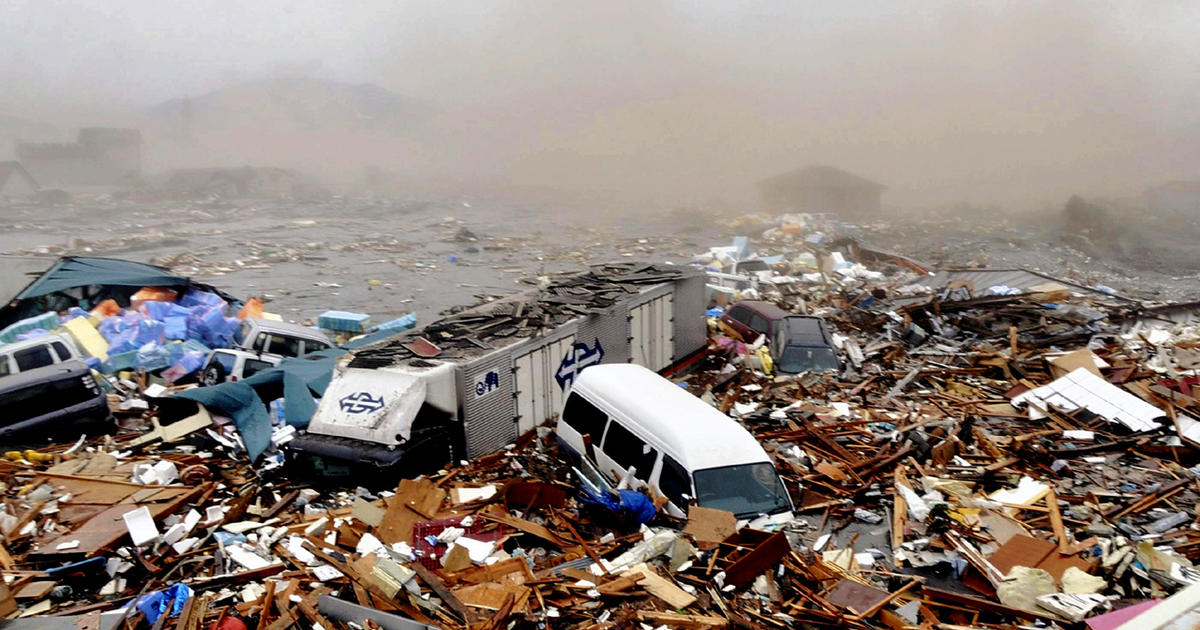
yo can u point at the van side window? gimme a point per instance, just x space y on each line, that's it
645 464
33 358
624 447
674 482
3 365
584 417
61 349
738 313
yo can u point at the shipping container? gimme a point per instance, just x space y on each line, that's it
504 367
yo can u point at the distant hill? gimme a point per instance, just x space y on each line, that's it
294 104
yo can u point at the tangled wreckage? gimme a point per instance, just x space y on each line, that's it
996 448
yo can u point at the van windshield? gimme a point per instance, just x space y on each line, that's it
747 490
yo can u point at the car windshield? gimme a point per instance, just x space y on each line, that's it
747 490
796 359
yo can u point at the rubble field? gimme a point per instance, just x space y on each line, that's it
999 448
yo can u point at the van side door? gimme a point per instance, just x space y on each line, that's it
581 425
622 450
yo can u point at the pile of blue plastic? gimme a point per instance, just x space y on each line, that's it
156 335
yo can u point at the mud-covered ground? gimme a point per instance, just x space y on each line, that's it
391 257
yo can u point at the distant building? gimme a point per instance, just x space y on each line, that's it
99 157
822 189
1176 199
16 182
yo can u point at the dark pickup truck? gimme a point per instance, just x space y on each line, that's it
62 399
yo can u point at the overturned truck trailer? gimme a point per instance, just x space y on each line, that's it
470 383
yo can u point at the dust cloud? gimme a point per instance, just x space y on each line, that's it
674 102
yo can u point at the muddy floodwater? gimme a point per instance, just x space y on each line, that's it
385 258
391 257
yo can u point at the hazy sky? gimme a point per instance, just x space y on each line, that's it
938 100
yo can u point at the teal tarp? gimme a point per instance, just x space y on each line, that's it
296 380
75 271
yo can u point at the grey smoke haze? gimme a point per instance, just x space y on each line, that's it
682 100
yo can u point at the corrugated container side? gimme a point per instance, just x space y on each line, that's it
487 395
691 327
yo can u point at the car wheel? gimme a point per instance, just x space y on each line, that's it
213 375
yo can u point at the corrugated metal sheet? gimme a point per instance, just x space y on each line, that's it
651 334
691 327
1083 389
489 419
611 330
539 396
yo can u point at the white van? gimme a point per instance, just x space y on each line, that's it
624 416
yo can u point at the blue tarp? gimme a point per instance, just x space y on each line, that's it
295 380
628 503
78 271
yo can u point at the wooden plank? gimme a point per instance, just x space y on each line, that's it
107 528
415 501
677 620
489 596
6 560
439 588
267 599
27 516
1056 521
765 555
664 589
528 527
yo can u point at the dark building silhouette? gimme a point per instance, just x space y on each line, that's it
822 189
101 156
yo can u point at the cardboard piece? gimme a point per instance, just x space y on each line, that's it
710 526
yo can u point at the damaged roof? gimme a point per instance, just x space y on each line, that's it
493 325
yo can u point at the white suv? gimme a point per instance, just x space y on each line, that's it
22 356
234 365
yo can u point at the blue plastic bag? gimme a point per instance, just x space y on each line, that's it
152 357
629 503
163 310
188 363
175 328
73 313
195 298
170 601
143 332
30 334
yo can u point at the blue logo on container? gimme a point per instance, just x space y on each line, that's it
490 381
578 357
360 402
